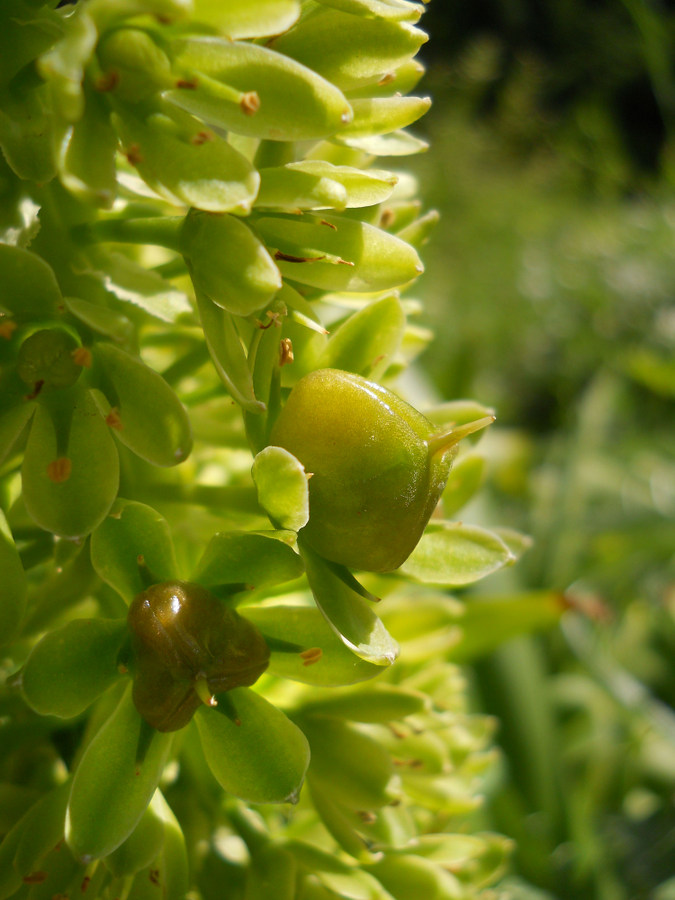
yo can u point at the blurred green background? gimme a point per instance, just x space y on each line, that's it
550 283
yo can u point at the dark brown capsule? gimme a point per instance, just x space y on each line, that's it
187 647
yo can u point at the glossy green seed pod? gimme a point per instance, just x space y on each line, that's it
46 359
378 467
188 646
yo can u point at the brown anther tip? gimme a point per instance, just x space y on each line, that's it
249 103
187 84
82 357
107 82
122 669
285 352
202 137
112 420
134 155
387 217
35 877
7 328
345 262
328 224
387 78
85 883
140 560
278 254
311 656
59 470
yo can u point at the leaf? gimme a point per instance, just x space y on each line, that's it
87 163
143 844
227 353
28 286
339 254
292 102
348 614
455 555
174 158
246 19
374 703
466 476
257 559
409 877
261 760
72 666
368 49
13 585
490 621
101 319
150 419
281 482
114 782
317 184
132 530
42 828
306 628
396 10
366 342
340 878
132 283
382 115
396 143
228 263
75 506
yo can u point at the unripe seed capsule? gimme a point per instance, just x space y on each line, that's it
378 467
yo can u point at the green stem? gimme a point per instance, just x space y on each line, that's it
160 231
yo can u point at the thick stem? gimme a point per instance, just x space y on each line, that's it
445 440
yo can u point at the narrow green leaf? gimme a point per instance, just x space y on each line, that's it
12 423
263 759
490 621
349 881
246 19
186 165
281 482
348 614
368 49
101 319
142 846
339 254
409 877
396 143
306 628
376 703
396 10
257 559
87 164
382 115
316 184
42 828
455 555
132 530
28 286
272 873
227 353
367 341
228 263
132 283
292 102
74 506
114 782
151 421
466 476
13 585
72 666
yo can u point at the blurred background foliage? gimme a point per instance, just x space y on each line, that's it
550 283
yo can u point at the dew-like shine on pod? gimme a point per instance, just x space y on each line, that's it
378 467
187 647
